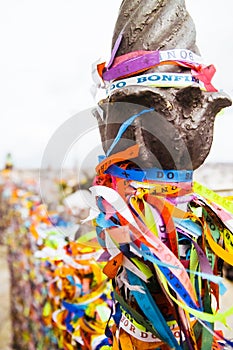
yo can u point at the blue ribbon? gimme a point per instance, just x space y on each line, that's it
104 342
72 281
173 280
77 309
151 174
124 126
189 225
152 312
68 319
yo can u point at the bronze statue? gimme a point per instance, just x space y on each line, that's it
163 25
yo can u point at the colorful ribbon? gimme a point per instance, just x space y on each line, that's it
142 211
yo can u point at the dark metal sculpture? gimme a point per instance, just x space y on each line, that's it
190 112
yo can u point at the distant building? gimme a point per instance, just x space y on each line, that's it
8 162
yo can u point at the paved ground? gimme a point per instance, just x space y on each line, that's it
5 320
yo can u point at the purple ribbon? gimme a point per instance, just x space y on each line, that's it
131 66
114 50
204 262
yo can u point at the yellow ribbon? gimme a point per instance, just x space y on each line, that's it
212 318
213 196
219 251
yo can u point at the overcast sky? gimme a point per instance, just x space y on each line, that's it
47 49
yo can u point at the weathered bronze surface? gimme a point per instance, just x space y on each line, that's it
179 133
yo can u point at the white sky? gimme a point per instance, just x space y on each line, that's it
47 48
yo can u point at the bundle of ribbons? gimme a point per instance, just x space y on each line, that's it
79 294
165 237
165 240
60 297
28 275
134 68
78 299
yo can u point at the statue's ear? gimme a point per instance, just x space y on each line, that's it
192 98
217 101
